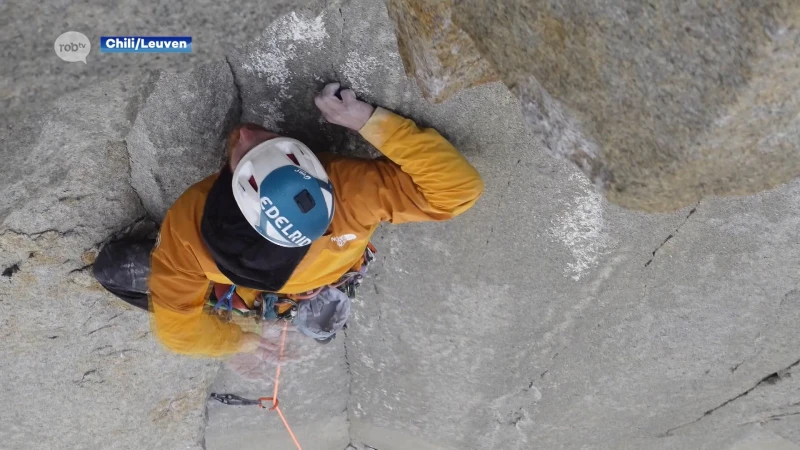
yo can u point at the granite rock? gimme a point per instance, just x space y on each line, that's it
80 368
180 133
437 53
660 103
544 317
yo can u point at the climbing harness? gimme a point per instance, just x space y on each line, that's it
264 308
267 305
263 402
226 301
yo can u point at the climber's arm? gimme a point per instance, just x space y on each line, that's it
423 177
178 289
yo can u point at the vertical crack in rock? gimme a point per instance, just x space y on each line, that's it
335 63
672 235
769 379
349 387
124 145
201 439
237 85
204 425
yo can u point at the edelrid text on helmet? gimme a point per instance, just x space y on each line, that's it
284 192
282 223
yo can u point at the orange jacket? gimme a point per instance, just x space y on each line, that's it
422 178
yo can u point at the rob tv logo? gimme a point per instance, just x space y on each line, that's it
73 47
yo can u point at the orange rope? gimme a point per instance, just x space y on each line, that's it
274 398
278 369
288 428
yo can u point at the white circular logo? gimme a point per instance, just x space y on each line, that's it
343 239
73 47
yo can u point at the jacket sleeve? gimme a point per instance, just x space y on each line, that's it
421 178
178 289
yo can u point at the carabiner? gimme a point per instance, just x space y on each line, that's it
235 400
274 402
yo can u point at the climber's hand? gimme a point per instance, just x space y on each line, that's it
348 112
265 349
253 341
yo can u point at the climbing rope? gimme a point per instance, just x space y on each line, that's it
275 405
230 399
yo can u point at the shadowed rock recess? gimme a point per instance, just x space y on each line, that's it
545 317
659 103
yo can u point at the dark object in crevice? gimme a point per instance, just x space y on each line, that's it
123 266
11 270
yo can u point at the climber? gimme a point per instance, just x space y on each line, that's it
278 226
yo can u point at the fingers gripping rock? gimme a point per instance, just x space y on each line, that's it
348 111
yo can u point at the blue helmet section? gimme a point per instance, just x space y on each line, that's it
294 211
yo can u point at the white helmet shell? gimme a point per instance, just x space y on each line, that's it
284 192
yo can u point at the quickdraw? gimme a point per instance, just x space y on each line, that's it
262 402
235 400
227 302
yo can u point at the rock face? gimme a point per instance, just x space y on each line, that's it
31 71
80 369
545 317
659 104
441 56
181 128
